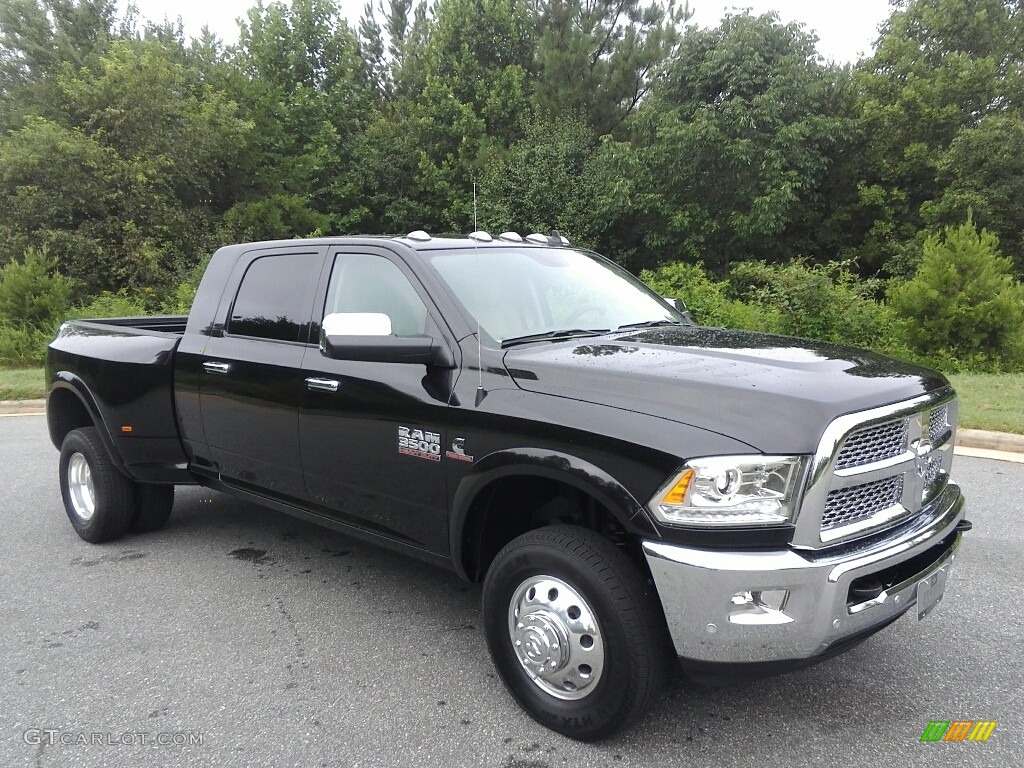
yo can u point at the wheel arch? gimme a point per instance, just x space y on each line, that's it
471 507
70 406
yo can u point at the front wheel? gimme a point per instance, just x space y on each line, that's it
99 499
574 631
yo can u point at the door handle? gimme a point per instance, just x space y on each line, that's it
216 367
322 385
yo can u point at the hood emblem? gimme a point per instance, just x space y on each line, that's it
922 446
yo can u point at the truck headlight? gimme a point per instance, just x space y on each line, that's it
723 491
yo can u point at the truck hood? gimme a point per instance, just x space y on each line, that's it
774 393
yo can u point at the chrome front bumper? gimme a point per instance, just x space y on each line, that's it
715 613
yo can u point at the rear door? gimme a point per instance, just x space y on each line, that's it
251 374
373 433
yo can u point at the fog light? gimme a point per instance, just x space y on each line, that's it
760 607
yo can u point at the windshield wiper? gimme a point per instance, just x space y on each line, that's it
648 324
571 333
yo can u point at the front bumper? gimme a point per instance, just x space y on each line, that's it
715 615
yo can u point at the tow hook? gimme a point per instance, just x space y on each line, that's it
964 526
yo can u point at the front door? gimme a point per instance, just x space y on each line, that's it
372 433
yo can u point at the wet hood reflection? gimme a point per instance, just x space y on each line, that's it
773 392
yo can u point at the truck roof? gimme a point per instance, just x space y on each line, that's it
422 241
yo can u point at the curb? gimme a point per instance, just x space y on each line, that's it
990 441
16 407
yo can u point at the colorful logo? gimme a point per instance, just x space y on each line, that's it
959 730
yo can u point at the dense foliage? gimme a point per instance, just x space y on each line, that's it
769 188
964 301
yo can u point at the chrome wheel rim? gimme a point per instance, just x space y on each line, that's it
556 637
81 488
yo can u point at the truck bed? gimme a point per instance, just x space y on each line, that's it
172 324
120 370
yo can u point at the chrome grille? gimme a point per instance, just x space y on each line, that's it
872 443
876 469
846 506
938 421
931 473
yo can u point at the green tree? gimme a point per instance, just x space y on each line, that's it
126 174
112 304
740 141
407 42
307 91
964 308
38 36
372 51
828 302
982 172
707 299
543 182
599 59
58 190
480 53
941 68
34 299
461 97
33 292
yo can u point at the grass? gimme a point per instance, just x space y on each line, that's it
25 384
991 401
987 400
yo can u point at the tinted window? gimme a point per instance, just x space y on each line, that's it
365 283
275 298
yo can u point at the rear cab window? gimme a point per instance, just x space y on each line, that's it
275 298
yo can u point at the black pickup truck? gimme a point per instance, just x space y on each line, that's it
627 485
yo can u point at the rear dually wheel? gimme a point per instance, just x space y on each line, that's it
98 498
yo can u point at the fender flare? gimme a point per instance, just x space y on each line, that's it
542 463
69 382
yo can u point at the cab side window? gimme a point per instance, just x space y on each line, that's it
362 283
275 299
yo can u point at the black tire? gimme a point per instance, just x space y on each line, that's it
153 504
631 630
98 499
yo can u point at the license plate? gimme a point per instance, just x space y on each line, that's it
930 591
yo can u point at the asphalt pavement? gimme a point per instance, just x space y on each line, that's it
239 636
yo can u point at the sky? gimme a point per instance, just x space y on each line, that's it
846 30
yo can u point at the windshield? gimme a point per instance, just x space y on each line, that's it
515 293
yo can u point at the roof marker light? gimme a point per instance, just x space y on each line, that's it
419 236
515 237
480 235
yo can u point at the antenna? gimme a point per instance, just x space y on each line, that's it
481 393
